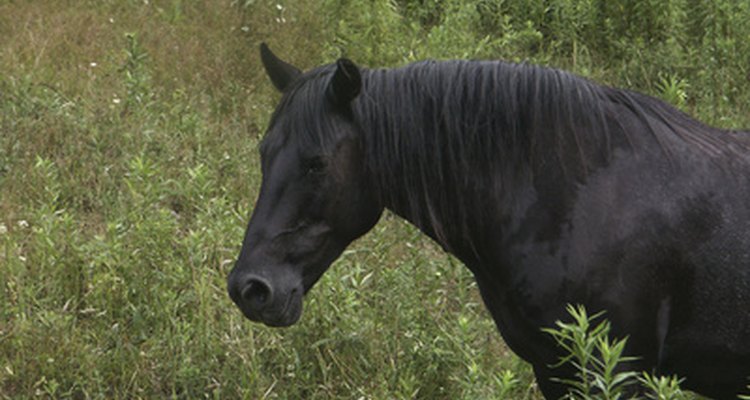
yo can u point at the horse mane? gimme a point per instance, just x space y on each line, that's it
455 124
458 125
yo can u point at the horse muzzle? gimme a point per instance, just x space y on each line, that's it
274 302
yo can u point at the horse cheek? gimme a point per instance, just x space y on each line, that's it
353 207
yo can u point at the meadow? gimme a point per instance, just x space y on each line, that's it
129 167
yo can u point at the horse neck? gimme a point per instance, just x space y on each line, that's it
452 152
459 148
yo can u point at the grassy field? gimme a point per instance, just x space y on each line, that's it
128 168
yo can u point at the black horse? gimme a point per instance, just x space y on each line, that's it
553 190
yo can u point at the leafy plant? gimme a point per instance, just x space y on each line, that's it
598 360
596 357
135 73
662 387
673 90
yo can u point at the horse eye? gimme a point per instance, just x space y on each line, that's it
315 165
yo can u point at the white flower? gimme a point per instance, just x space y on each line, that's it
23 223
116 100
93 64
279 7
3 229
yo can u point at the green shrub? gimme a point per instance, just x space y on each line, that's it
597 358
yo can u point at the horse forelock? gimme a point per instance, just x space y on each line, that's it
300 115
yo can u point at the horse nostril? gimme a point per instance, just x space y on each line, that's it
256 292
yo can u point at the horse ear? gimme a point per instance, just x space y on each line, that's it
280 72
346 82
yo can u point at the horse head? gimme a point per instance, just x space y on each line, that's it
315 197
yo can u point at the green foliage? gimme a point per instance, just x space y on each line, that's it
662 387
655 46
600 362
673 90
594 355
128 168
136 75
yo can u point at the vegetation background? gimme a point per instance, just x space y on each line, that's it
128 168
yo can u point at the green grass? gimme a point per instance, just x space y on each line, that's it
128 168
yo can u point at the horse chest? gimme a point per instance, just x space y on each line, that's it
524 293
